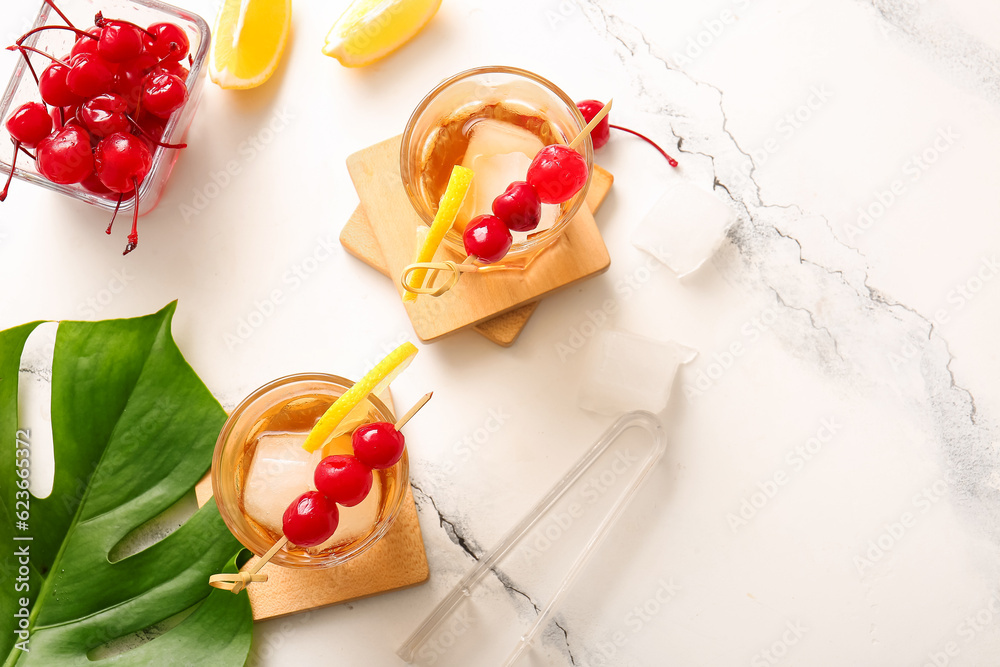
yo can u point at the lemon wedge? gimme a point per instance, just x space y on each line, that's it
343 415
248 40
451 204
369 30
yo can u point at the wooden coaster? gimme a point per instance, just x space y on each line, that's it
580 253
396 561
358 238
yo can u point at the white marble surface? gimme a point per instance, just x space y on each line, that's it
800 113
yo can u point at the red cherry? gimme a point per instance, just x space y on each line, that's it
487 238
53 88
166 41
600 134
162 94
310 520
93 184
558 172
30 123
518 207
89 75
65 157
86 44
121 161
343 479
174 68
105 114
378 445
119 41
131 74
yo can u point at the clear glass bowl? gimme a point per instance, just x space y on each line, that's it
229 470
475 88
22 88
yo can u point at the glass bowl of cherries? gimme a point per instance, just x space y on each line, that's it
100 100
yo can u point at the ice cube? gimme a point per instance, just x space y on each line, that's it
684 228
281 471
493 174
499 153
624 372
495 137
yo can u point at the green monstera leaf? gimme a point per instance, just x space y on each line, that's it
133 429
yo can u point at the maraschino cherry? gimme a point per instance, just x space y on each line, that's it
487 239
557 173
310 520
378 445
602 133
162 94
105 114
518 207
121 161
343 479
28 125
65 156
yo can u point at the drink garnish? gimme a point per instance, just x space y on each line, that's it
375 381
451 204
247 42
369 30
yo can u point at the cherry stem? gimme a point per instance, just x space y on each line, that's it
24 150
31 32
100 22
52 4
51 57
10 176
133 236
31 68
673 162
115 214
146 134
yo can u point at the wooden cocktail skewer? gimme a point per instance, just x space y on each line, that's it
237 581
467 266
591 125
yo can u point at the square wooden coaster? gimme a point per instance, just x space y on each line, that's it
358 238
396 561
580 253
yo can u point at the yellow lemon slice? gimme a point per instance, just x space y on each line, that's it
248 40
451 204
369 30
343 410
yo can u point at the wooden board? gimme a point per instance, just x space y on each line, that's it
580 253
396 561
358 238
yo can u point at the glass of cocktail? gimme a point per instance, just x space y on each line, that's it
260 467
494 121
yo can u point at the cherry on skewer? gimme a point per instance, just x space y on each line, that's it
602 133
